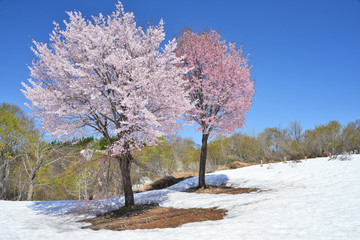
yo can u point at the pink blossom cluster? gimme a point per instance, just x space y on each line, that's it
219 79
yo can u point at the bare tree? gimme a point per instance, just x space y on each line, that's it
35 156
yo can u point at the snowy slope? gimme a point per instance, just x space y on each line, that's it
315 199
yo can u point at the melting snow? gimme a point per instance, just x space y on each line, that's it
314 199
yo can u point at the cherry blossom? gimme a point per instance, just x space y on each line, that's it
220 83
110 77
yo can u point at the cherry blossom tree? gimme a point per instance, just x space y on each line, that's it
220 85
111 77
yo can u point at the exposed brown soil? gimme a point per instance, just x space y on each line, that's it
167 181
185 175
235 165
153 216
150 216
218 190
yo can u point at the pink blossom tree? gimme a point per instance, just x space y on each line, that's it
220 84
108 76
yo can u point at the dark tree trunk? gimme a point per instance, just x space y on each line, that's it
203 160
125 164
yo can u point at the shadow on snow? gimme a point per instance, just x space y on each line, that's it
98 206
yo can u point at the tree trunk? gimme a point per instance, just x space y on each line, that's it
125 164
30 191
203 160
4 178
2 182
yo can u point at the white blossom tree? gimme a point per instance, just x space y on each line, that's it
111 77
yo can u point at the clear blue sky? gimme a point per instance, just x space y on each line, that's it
305 53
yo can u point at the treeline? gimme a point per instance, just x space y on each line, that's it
29 166
34 169
273 144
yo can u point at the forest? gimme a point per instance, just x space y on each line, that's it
32 167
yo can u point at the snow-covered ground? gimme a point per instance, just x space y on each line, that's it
315 199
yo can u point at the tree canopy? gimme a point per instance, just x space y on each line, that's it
108 76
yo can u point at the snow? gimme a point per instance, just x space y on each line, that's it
313 199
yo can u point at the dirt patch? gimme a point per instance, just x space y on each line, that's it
218 190
166 181
150 216
186 175
235 165
153 216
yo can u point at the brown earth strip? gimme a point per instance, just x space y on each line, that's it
218 190
153 216
167 181
149 217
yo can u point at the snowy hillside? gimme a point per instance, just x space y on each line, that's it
315 199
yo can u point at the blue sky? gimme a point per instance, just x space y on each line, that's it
305 53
